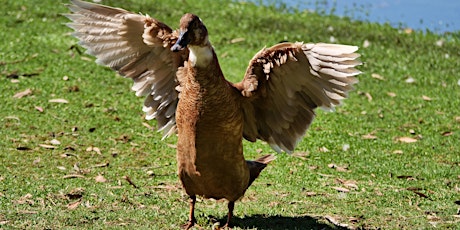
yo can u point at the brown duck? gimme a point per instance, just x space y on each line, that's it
186 92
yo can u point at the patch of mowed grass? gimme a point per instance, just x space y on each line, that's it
385 183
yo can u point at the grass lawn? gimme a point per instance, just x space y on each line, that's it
76 153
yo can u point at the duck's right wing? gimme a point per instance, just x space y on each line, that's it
285 83
137 47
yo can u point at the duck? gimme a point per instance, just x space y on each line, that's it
178 73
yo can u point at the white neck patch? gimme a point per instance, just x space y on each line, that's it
200 56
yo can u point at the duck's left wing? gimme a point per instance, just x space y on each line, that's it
136 46
285 83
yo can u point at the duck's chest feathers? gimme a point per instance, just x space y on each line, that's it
200 56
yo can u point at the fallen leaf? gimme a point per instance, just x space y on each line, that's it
341 189
40 109
410 80
100 165
22 94
398 151
338 168
323 150
74 205
391 94
378 76
73 176
93 149
58 100
349 183
311 193
55 142
406 139
301 155
426 98
447 133
36 161
47 146
369 136
100 179
147 125
171 146
366 43
236 40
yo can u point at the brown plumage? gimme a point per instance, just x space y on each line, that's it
186 92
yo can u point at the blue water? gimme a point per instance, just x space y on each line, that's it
438 16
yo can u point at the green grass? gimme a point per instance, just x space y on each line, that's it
392 184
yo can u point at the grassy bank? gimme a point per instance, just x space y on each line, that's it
76 152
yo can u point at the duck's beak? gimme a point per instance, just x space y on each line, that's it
182 41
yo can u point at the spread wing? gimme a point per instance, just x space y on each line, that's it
285 83
137 47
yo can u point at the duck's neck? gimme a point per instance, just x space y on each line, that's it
201 56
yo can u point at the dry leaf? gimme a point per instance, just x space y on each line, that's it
236 40
74 205
366 43
406 139
73 176
22 94
410 80
40 109
58 100
55 142
172 146
311 193
338 168
147 125
347 183
93 149
100 179
323 150
426 98
398 151
341 189
36 161
391 94
47 146
369 136
447 133
100 165
378 76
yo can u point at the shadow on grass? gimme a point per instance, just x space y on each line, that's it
282 222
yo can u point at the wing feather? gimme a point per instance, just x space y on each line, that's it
136 46
285 83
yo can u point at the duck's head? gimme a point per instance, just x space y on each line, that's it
191 32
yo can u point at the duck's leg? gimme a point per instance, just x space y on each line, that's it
191 217
231 206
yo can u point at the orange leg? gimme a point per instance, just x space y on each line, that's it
191 217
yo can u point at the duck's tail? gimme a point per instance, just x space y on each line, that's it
256 166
